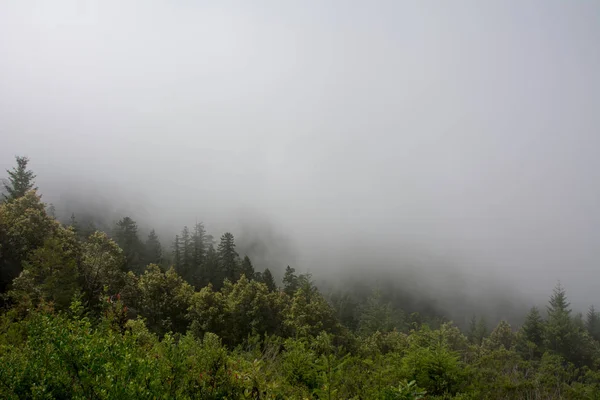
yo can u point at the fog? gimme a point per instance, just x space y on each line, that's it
456 139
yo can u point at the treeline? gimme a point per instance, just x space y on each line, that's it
109 315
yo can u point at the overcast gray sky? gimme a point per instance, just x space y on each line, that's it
463 131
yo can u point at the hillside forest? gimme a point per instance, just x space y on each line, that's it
114 314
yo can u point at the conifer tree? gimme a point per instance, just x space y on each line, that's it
477 330
153 249
592 323
290 281
127 238
211 273
199 247
559 327
20 180
228 257
177 254
186 270
533 327
247 268
267 279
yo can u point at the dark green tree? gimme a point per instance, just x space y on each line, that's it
247 268
376 315
477 330
228 257
127 238
153 250
177 254
533 328
267 279
210 270
186 255
592 323
199 244
290 281
20 180
559 332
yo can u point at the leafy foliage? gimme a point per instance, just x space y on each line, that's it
82 318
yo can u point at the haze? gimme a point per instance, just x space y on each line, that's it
442 136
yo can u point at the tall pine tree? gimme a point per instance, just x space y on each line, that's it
267 279
199 247
228 257
211 272
247 268
177 254
153 250
20 180
186 256
127 238
559 332
592 323
290 281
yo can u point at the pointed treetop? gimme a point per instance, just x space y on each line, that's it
558 301
20 180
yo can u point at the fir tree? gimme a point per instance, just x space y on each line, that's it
20 180
533 327
228 257
211 268
247 268
559 332
177 254
199 246
592 323
186 271
153 250
127 238
477 330
558 304
290 281
267 279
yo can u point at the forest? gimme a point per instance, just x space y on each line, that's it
91 314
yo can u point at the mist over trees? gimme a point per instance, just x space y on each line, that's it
195 320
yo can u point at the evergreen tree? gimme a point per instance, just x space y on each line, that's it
211 273
73 224
177 254
267 279
153 250
20 180
247 268
378 316
186 255
290 281
559 332
228 257
533 328
477 330
592 323
199 246
127 238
